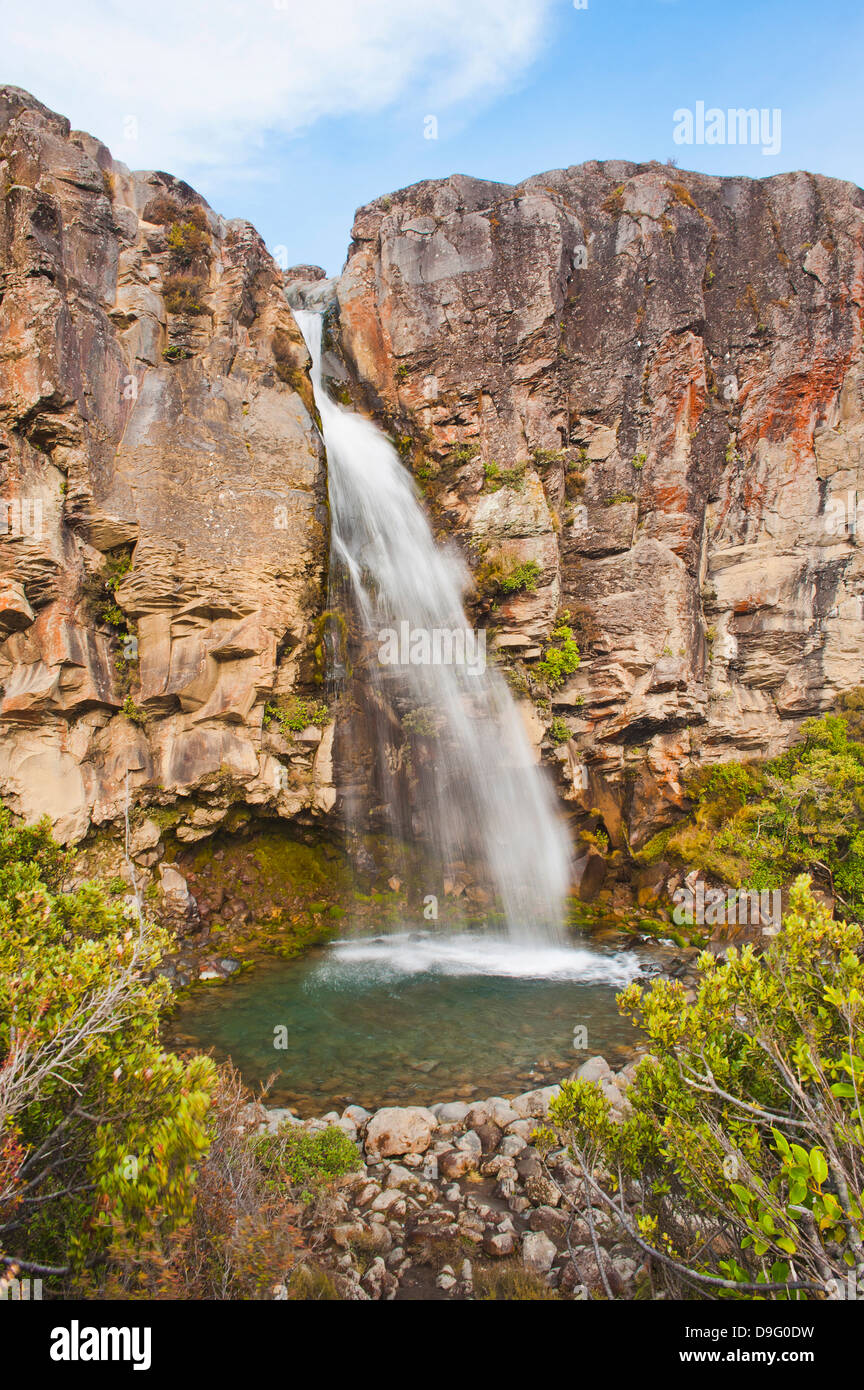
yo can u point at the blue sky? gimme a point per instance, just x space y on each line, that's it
292 115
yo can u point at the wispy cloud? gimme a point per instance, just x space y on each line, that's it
183 84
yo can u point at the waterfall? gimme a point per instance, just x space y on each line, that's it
482 796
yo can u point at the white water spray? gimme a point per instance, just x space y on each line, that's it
483 794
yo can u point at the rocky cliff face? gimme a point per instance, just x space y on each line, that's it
646 385
164 498
643 387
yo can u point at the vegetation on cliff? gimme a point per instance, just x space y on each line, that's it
760 824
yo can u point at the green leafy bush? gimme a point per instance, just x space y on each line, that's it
496 477
100 1127
744 1128
295 1159
296 715
550 458
496 576
561 659
187 243
462 454
134 713
522 578
423 722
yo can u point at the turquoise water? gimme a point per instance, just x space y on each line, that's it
413 1018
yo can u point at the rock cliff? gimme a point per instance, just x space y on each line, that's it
647 386
641 389
164 520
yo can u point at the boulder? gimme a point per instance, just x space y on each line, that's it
455 1163
452 1113
538 1252
511 1145
470 1142
542 1191
498 1244
534 1104
595 1069
396 1130
552 1223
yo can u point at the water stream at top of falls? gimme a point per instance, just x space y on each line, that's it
483 797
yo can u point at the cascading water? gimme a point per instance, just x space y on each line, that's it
482 796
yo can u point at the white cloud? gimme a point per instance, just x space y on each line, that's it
208 80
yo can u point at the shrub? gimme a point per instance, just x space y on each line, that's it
517 680
183 292
241 1241
510 1283
521 578
682 194
549 458
462 454
745 1124
559 731
187 243
99 1126
495 577
164 208
296 715
423 722
161 209
496 477
294 1159
99 592
850 708
134 713
561 660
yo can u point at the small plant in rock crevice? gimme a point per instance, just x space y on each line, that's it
296 715
559 731
561 659
134 713
496 477
495 577
183 293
